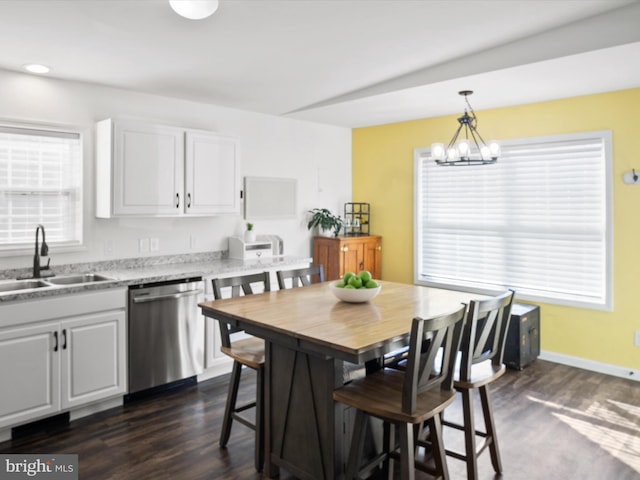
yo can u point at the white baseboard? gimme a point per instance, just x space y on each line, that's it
614 370
221 368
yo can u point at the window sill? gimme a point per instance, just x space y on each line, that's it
24 250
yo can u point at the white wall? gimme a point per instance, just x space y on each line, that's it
318 156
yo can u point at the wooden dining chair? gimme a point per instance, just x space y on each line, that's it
301 277
479 364
248 352
406 399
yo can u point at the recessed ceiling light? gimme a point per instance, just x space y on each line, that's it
194 9
36 68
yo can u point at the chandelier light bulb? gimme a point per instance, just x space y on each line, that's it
452 154
494 147
194 9
485 152
438 151
464 149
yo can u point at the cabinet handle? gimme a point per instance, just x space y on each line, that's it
55 336
188 200
379 248
361 265
345 249
177 200
64 339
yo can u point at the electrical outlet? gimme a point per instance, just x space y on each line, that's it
194 242
154 244
637 338
143 245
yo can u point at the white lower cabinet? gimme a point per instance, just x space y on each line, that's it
92 358
29 374
76 358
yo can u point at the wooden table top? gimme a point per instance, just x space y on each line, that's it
314 319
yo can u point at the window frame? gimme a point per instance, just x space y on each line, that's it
18 249
421 154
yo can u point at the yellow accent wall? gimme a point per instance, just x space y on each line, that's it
383 176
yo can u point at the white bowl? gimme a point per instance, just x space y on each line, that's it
354 295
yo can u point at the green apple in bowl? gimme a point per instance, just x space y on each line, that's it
356 288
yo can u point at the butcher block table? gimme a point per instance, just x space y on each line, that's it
309 334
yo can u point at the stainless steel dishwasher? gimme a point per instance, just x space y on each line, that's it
166 333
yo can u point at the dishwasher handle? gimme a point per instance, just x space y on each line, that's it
153 298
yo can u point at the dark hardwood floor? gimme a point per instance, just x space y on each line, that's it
553 421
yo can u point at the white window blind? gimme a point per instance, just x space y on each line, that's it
40 183
538 221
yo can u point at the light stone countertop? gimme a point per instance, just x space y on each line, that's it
151 270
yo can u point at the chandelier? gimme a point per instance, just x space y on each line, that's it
470 150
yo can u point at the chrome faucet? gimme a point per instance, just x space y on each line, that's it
44 251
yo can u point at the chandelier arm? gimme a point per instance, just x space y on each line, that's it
475 135
479 136
455 137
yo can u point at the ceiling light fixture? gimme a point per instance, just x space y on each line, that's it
466 151
36 68
194 9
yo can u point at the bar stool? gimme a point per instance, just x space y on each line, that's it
301 277
480 363
247 352
406 399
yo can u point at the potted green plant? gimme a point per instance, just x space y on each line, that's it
249 234
326 222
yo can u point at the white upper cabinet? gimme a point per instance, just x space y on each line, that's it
148 169
154 170
212 174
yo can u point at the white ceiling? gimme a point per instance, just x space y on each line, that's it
342 62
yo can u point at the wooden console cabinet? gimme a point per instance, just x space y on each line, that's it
339 255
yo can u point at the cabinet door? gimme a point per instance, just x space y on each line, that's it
352 256
148 169
326 252
93 357
29 375
212 174
212 342
373 257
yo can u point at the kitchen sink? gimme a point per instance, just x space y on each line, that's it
17 285
78 279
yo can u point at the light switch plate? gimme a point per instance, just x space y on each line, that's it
637 338
154 244
143 245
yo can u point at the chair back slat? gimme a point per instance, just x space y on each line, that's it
240 283
237 284
301 277
433 345
485 332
